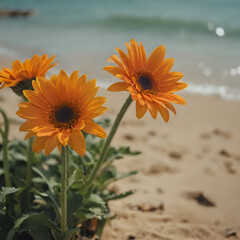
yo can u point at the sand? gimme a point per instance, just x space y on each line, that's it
188 185
189 172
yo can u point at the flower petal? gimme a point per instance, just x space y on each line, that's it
164 112
94 129
119 86
156 58
77 142
140 110
39 144
63 137
152 109
51 143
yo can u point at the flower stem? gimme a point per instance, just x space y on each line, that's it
108 141
63 191
29 163
5 149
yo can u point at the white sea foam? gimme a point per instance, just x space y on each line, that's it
4 51
205 89
209 89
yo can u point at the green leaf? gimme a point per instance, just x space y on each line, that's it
6 201
56 234
71 233
77 184
121 175
8 190
49 198
19 221
76 179
96 205
105 123
36 224
51 182
17 156
113 196
40 218
127 151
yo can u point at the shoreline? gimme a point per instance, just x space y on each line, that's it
105 79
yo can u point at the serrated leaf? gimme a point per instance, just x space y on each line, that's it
76 179
51 182
113 196
51 201
8 190
77 184
121 175
96 199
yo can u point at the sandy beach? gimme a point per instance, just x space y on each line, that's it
187 187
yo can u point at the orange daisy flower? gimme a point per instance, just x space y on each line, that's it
22 74
148 80
59 110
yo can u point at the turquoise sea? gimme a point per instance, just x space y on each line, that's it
202 35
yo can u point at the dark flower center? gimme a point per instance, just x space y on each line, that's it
145 82
64 114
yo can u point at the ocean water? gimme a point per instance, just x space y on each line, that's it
203 36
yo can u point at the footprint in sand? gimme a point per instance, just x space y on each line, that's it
148 207
229 167
200 198
216 132
129 137
152 133
160 168
221 133
159 190
175 155
224 153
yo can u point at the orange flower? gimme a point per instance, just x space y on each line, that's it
25 72
149 81
59 110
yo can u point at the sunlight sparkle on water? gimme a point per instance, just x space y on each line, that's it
220 32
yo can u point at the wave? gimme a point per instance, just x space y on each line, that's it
224 92
228 93
125 22
148 23
6 52
166 24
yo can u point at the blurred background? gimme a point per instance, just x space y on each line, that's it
203 36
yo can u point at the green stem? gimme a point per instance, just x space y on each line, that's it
6 123
108 141
5 160
29 163
5 149
64 192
